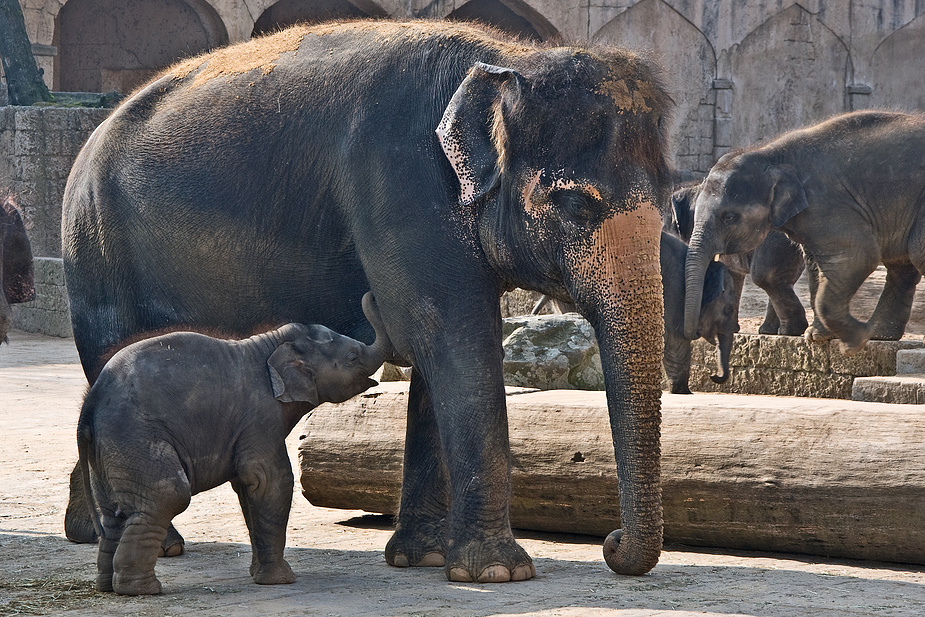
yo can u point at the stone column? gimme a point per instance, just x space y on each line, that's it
858 96
722 118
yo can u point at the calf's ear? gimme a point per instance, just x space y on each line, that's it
465 131
787 195
292 380
713 282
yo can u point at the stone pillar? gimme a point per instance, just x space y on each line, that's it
722 118
858 96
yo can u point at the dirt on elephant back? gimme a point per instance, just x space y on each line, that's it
337 555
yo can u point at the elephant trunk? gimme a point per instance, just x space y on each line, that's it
722 358
379 351
616 284
699 255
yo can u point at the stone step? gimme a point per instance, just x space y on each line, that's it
905 388
910 362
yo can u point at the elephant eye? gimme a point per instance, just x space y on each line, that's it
352 358
573 204
729 218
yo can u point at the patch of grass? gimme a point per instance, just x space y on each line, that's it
43 596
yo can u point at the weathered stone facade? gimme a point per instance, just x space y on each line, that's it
741 72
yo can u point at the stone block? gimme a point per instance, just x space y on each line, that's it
904 389
910 361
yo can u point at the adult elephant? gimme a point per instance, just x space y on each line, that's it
851 191
280 179
17 280
775 267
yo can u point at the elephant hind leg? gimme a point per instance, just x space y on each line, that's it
135 556
895 304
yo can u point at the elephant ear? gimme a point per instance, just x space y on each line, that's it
713 282
292 380
787 195
465 131
682 203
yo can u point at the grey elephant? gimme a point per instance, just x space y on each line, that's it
775 266
16 267
433 163
850 191
718 314
180 413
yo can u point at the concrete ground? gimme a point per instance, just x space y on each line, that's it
337 554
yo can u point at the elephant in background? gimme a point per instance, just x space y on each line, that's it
16 267
433 163
851 191
775 266
718 314
217 411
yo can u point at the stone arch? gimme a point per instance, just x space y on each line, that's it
897 69
789 72
690 64
288 12
106 45
512 16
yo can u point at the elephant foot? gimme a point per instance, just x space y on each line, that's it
889 332
104 582
680 388
173 545
478 561
141 586
78 526
817 334
275 573
423 547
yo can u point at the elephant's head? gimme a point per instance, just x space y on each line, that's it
322 366
744 196
16 268
562 158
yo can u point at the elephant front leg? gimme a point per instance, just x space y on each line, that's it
265 496
420 534
894 307
839 280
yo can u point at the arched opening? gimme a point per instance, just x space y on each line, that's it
511 16
106 45
288 12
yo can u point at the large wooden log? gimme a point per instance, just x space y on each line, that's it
824 477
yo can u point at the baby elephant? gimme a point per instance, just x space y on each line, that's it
181 413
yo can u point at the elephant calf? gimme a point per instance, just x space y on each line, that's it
181 413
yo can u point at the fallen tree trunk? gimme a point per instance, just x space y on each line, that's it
823 477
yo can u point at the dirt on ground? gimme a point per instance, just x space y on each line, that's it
337 555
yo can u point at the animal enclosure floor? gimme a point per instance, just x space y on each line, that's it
337 555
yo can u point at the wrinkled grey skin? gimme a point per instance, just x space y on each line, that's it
718 315
181 413
16 270
775 266
851 191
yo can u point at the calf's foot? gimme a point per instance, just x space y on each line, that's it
173 545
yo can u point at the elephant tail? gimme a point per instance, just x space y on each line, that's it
84 447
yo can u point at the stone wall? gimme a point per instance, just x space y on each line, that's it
38 145
48 313
789 366
741 72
